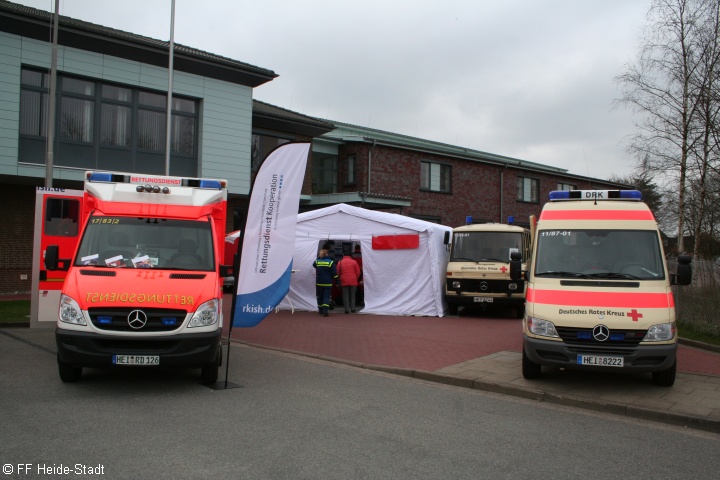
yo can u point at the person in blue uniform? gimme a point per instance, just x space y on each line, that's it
325 275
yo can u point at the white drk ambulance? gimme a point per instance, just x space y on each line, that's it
598 289
144 286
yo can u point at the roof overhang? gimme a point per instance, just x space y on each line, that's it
370 201
36 24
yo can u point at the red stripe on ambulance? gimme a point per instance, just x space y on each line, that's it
632 215
600 299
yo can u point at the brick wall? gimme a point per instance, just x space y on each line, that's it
476 187
16 238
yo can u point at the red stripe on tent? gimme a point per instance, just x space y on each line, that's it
600 299
395 242
596 215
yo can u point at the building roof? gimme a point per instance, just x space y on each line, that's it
271 117
346 132
33 23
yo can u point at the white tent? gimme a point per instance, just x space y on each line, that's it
405 281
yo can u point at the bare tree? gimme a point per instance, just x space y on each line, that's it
662 87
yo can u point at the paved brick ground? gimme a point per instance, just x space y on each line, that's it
419 343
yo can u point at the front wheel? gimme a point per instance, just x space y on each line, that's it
665 378
68 373
530 369
209 373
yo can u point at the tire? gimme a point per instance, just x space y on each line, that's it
209 373
665 378
530 369
68 373
452 308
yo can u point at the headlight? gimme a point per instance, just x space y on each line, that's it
207 314
541 327
70 311
456 284
660 333
512 286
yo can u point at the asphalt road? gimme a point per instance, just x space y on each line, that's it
299 418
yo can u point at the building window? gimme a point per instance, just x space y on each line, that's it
107 126
351 170
435 177
566 186
261 146
324 173
528 190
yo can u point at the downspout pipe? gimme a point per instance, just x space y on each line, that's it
502 189
369 169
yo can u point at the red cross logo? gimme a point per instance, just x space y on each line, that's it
635 315
503 269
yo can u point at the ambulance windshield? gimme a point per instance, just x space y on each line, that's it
131 242
604 254
485 246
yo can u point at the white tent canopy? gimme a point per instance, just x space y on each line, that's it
396 282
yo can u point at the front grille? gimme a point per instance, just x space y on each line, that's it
135 347
584 336
116 319
472 285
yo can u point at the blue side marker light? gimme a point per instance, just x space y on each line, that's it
100 177
214 184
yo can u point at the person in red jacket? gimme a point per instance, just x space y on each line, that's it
349 273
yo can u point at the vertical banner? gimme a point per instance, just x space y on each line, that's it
269 237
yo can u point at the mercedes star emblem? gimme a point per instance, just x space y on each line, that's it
601 333
137 319
483 286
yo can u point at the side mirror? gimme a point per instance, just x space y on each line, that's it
515 266
226 270
51 257
446 239
684 271
52 260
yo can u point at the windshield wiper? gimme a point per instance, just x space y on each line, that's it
553 273
613 275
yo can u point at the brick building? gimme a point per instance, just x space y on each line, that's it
111 103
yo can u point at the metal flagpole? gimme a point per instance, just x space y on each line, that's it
170 89
50 151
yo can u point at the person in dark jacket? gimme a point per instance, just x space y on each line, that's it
325 275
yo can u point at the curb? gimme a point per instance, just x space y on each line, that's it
539 395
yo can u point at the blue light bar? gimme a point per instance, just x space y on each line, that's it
168 321
631 194
100 177
617 337
105 319
593 195
584 335
214 184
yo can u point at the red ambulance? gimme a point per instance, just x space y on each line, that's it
144 286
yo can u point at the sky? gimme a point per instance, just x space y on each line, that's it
528 79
